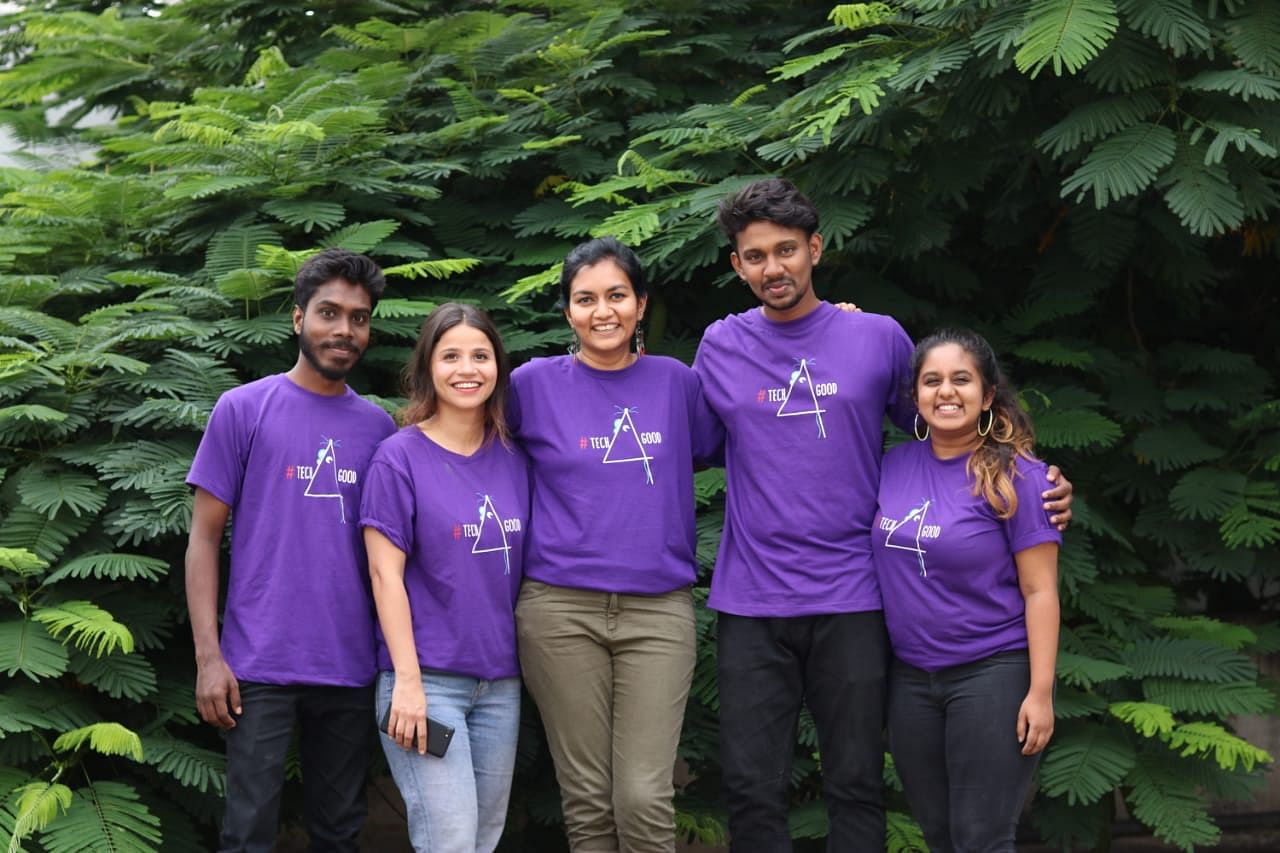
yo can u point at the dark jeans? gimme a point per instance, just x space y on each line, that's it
768 668
335 744
954 739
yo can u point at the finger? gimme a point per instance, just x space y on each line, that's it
222 719
1022 726
233 694
422 735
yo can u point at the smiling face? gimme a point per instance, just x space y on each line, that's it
464 369
950 393
777 261
333 330
604 311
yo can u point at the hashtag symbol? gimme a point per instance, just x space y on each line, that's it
582 443
457 531
760 396
288 473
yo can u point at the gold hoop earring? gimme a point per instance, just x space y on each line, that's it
915 427
991 421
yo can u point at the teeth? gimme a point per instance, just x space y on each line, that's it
608 327
466 385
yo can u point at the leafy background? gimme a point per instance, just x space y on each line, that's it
1093 184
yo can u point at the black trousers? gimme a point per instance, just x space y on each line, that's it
335 745
768 668
954 739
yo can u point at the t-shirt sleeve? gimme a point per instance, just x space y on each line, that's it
1030 523
515 414
706 432
387 502
219 463
901 408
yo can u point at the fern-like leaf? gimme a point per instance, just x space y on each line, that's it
1122 165
103 738
1202 738
1066 33
1173 23
1085 763
1148 719
104 816
26 647
1206 493
438 269
47 490
92 629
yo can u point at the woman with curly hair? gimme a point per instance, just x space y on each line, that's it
967 561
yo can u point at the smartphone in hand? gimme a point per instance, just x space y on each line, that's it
439 735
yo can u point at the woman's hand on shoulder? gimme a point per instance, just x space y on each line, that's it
1035 722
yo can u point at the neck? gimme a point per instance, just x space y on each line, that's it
617 361
305 376
949 446
459 431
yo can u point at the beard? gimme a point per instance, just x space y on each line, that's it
309 352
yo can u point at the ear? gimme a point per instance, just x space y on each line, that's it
644 303
737 264
988 398
815 248
297 319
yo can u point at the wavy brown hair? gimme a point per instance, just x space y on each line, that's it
992 465
416 376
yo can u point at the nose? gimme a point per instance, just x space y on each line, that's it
343 327
772 266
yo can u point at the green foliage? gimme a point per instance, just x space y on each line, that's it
1106 226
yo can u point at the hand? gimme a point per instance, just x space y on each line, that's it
1058 499
848 307
1035 723
408 721
217 694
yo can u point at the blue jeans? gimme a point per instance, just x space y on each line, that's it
953 734
459 802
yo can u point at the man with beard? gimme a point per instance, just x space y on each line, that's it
286 454
802 389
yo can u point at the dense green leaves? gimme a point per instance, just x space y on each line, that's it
1110 226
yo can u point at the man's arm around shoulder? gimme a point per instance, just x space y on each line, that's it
217 691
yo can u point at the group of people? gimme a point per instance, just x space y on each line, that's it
538 524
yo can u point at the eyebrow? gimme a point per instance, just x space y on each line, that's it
610 289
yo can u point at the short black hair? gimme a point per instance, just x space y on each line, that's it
338 263
593 252
774 200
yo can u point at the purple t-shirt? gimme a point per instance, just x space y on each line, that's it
802 404
613 454
945 561
290 464
461 522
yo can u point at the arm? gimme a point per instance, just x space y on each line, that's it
1038 580
1058 499
408 720
217 691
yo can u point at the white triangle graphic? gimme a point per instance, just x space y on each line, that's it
626 439
801 375
489 515
324 478
917 515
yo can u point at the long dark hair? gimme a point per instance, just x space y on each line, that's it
992 463
416 377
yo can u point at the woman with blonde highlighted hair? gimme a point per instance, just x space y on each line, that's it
967 561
